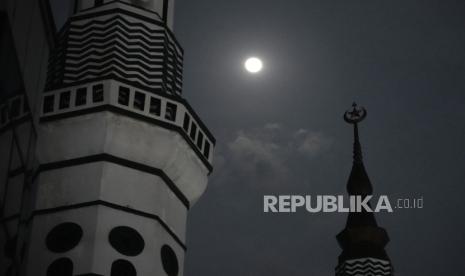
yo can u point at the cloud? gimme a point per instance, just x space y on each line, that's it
266 154
255 153
312 143
272 126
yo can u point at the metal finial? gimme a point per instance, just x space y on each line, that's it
355 115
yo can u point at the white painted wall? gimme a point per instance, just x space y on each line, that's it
114 184
127 138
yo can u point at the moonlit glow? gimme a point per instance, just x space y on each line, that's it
253 65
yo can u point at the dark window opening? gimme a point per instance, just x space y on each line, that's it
200 140
206 150
187 121
61 267
169 261
193 132
171 112
49 102
64 237
126 241
123 95
139 101
65 99
97 93
98 3
81 96
155 106
122 268
15 108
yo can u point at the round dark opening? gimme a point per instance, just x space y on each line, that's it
122 268
126 241
64 237
61 267
169 261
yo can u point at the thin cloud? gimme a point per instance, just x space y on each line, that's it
265 153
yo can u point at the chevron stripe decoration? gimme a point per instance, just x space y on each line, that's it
364 267
105 43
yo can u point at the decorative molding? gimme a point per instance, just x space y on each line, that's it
122 162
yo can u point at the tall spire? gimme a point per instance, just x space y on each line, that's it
359 183
362 240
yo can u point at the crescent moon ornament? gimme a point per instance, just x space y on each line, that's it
355 115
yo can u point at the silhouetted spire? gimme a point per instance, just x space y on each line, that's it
359 183
362 238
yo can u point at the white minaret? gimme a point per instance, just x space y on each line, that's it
122 155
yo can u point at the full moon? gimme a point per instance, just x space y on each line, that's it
253 65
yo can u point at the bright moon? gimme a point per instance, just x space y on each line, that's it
253 65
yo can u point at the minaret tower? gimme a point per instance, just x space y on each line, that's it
122 154
362 241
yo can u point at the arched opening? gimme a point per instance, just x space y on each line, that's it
122 268
61 267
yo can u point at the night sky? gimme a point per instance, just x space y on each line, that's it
282 132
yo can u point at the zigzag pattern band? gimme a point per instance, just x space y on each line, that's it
364 267
101 47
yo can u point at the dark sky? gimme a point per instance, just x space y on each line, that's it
281 132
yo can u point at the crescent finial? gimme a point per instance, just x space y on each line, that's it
355 115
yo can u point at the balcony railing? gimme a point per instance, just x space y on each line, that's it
125 97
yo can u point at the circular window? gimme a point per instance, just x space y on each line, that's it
122 268
61 267
126 241
169 261
64 237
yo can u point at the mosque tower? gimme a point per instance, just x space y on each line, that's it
362 240
122 156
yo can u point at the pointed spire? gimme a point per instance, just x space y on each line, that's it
353 117
362 237
359 183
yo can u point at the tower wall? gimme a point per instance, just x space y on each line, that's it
119 157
